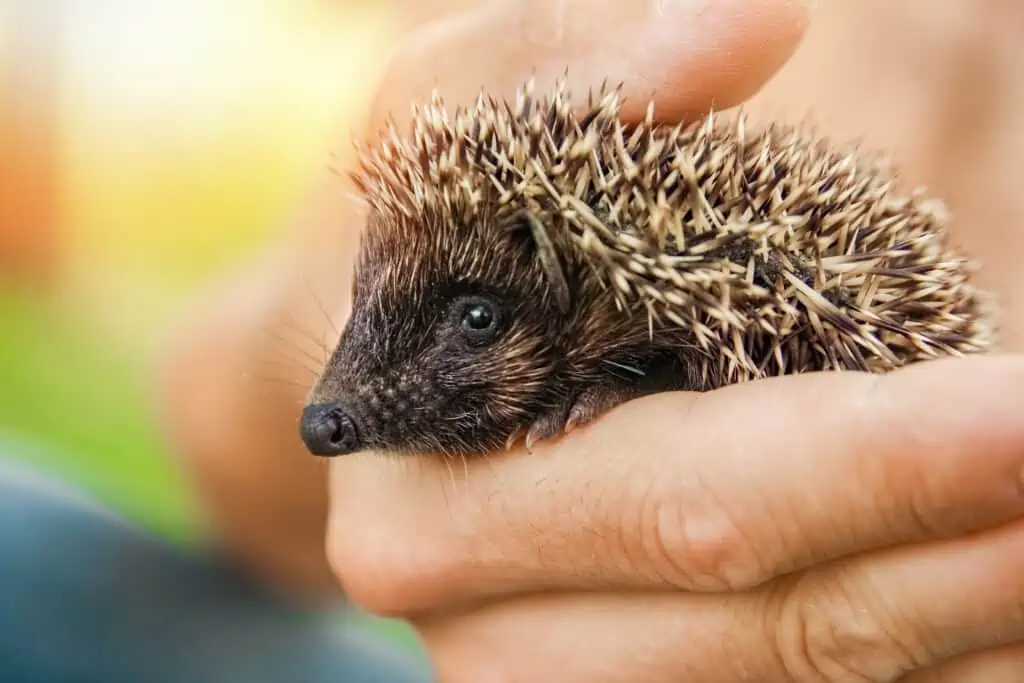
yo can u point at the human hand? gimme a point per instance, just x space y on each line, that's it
811 528
801 529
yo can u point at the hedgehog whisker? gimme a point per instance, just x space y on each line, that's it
290 345
451 478
292 324
290 361
319 304
289 324
289 366
451 474
287 381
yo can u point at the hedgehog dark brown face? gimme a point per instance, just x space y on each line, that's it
449 345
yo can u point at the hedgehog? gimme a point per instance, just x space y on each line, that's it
528 265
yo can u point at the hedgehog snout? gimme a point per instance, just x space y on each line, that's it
329 429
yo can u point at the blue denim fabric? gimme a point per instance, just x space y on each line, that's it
86 597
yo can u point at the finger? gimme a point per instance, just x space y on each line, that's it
688 54
697 638
891 613
998 665
872 622
723 490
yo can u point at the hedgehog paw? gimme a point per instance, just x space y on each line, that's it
587 407
547 426
597 401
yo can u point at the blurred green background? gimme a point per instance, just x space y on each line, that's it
145 148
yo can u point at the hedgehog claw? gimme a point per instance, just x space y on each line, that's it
546 426
597 401
513 439
587 407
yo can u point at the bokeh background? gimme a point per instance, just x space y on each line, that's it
144 148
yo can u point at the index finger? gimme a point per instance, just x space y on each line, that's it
686 55
717 491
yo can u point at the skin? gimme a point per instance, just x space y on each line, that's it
824 528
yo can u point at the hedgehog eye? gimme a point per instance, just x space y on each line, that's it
478 318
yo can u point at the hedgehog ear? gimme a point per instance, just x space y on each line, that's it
547 255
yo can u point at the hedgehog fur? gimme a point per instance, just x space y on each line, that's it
527 266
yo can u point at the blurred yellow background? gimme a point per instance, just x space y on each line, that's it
144 148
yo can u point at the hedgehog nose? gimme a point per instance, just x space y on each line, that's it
328 430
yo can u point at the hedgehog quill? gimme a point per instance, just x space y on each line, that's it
527 267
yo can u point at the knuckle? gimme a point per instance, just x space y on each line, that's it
365 576
823 635
695 543
381 569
